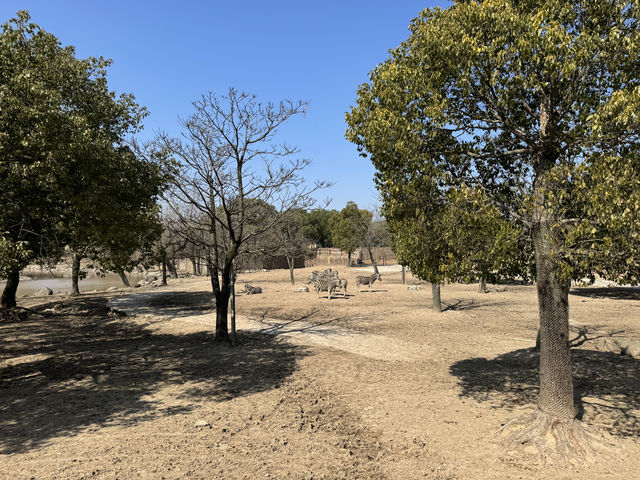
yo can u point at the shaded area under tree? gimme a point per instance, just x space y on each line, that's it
73 365
605 384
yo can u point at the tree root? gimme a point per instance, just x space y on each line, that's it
568 441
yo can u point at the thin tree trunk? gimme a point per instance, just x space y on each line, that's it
222 308
75 274
291 262
348 259
482 285
435 293
233 309
8 299
164 269
124 278
404 279
194 265
373 261
171 263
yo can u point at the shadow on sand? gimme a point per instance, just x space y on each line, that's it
75 364
616 293
605 384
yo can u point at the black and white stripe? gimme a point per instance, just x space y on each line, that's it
367 279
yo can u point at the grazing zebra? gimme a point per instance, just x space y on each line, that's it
367 279
326 284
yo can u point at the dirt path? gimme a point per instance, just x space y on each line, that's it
157 307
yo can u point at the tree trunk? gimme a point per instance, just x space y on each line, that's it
348 259
556 385
222 311
404 278
435 293
75 274
373 261
233 309
194 264
124 278
164 269
291 262
172 268
8 299
482 285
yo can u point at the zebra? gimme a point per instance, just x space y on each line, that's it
342 284
325 273
326 284
251 290
367 279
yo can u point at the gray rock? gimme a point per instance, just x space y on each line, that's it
629 347
302 289
201 423
43 292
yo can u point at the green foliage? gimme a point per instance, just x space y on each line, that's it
533 106
317 226
13 256
59 130
349 227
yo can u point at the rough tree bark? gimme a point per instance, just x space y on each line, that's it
75 274
435 293
482 285
8 299
404 278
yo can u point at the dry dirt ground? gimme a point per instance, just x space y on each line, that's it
374 385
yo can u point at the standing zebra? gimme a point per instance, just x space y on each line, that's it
326 284
367 279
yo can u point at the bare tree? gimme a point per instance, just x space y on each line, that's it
234 183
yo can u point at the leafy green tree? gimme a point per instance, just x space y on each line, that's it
536 104
56 115
317 226
113 216
349 228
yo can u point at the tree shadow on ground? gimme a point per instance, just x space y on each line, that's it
464 304
78 365
606 385
616 293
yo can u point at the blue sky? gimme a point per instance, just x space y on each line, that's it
167 53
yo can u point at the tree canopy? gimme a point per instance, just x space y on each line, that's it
61 133
532 105
349 228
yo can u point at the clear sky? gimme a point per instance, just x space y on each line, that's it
167 53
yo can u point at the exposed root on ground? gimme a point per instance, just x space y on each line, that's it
556 440
15 314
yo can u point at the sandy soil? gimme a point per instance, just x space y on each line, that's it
374 385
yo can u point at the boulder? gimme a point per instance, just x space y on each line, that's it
43 292
302 289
